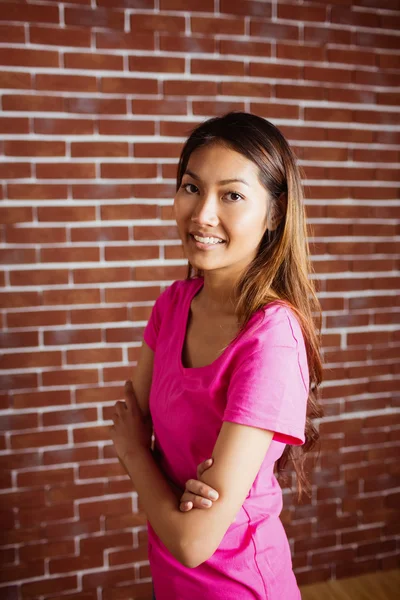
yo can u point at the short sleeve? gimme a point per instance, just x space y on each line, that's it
160 306
269 388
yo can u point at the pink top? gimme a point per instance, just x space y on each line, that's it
260 379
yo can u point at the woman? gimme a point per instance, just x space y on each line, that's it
229 369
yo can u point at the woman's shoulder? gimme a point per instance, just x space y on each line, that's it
276 325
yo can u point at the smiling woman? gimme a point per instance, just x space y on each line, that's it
236 367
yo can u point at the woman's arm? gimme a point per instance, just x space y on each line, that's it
192 537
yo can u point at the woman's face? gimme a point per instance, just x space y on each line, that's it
235 211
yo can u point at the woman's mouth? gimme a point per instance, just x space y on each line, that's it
207 243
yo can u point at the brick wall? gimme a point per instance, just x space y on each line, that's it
97 99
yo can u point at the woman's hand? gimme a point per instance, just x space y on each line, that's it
197 491
131 433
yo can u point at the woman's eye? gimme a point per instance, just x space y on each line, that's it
185 185
238 196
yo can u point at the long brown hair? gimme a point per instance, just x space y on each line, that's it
281 268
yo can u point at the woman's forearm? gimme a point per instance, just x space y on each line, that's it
159 500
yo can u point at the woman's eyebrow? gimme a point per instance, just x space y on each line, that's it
222 182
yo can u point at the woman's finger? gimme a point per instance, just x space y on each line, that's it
189 500
203 466
199 488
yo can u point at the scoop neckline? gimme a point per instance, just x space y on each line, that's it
187 370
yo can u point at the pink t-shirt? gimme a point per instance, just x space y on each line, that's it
261 379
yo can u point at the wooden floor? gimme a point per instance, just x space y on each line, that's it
384 585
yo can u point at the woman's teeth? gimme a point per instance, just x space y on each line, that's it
208 240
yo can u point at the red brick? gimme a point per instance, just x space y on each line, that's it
66 213
274 70
376 40
64 494
116 336
65 83
105 62
193 43
72 336
37 235
91 434
12 34
8 79
65 171
26 57
327 35
101 191
132 253
34 13
70 455
65 417
132 294
45 277
18 381
18 421
301 13
155 22
15 170
195 88
94 355
49 585
76 563
99 234
128 212
70 377
28 360
45 549
35 104
154 273
169 106
125 41
218 25
93 106
71 254
103 471
27 191
102 274
35 440
21 571
124 85
33 148
70 36
127 170
15 339
167 232
64 126
119 374
15 214
81 296
191 5
157 63
14 125
39 399
99 149
46 477
125 127
238 88
99 394
98 17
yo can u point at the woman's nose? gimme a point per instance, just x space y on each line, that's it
205 211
